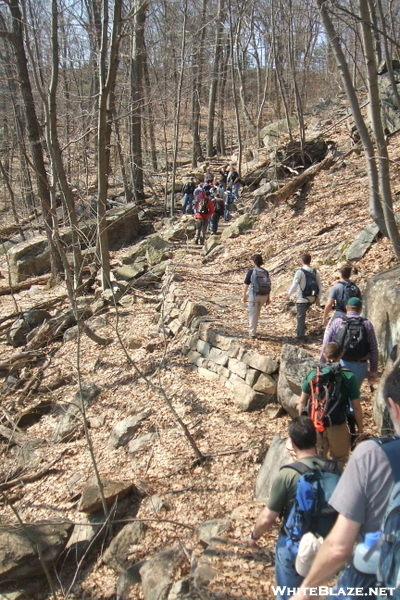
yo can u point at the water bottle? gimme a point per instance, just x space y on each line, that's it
369 566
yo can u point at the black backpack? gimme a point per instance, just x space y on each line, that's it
352 337
311 288
325 407
348 290
188 188
203 207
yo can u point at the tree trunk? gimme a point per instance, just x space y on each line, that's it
197 67
214 78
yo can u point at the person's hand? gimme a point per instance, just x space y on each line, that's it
317 302
287 298
268 301
325 321
245 297
372 378
252 543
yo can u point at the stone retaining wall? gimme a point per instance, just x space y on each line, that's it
252 377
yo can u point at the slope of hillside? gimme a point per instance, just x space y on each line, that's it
177 494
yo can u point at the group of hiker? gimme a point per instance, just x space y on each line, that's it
325 510
210 200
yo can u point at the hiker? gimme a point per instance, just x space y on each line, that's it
282 498
361 499
228 200
223 177
234 181
187 200
208 177
203 210
257 279
308 282
357 339
219 209
339 294
330 392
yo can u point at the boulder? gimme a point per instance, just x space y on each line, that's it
245 397
36 317
28 259
382 307
84 533
241 225
362 243
139 251
16 336
266 188
122 226
90 501
157 573
212 529
179 233
19 558
266 384
116 555
381 412
277 456
94 323
211 243
270 134
266 364
70 425
130 271
295 365
124 431
189 310
140 442
128 579
390 110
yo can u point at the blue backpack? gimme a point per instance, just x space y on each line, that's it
389 562
311 511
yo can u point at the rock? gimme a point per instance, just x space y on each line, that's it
158 573
241 225
19 557
381 301
271 133
84 534
390 110
36 317
116 555
155 256
90 501
362 243
266 385
295 365
203 574
266 364
190 310
218 356
245 397
17 333
266 188
28 259
130 271
122 226
97 422
180 590
211 243
70 424
140 442
33 414
135 343
212 254
95 324
153 242
155 504
128 579
208 333
381 412
206 374
181 232
238 367
277 456
212 529
124 431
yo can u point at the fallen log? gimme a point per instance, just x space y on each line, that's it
19 359
46 305
294 185
13 436
25 285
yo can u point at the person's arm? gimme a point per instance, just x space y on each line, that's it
358 415
246 293
264 522
294 286
302 402
373 352
333 554
329 304
329 336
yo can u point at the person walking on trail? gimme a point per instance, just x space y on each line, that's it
339 294
223 177
307 282
361 498
187 200
234 181
257 279
228 200
329 393
203 209
356 336
282 498
219 206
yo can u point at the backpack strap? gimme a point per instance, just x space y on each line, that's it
392 453
299 467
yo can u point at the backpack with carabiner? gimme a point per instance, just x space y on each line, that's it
311 511
325 407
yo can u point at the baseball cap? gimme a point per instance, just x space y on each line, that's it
354 302
308 548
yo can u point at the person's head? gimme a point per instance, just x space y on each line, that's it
345 272
192 179
333 352
257 260
306 258
391 395
302 433
354 305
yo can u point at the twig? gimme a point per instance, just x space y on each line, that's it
30 478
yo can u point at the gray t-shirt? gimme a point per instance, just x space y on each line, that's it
363 491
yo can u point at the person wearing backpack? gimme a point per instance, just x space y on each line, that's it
203 210
285 496
339 294
228 199
234 182
329 392
258 280
357 338
219 206
308 283
366 501
187 200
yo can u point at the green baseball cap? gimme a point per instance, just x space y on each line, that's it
354 302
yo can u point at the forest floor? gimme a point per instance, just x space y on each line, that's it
332 209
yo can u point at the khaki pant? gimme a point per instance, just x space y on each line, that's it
335 440
255 306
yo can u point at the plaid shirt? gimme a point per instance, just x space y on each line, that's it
334 327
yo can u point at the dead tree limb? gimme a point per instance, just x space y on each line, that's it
19 359
25 285
13 436
46 305
30 478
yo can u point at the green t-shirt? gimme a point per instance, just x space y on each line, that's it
283 491
349 389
